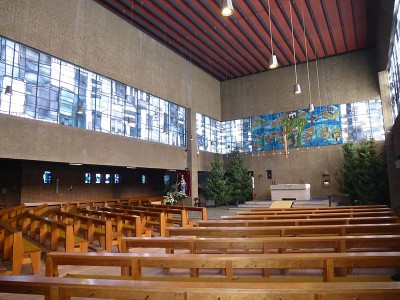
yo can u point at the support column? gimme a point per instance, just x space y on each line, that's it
192 157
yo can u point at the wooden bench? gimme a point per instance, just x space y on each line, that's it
202 211
11 215
19 250
266 244
322 208
145 200
12 212
311 211
89 203
40 210
92 227
297 222
314 230
123 223
149 219
56 230
173 214
64 288
133 265
309 216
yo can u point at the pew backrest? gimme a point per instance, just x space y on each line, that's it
297 222
316 230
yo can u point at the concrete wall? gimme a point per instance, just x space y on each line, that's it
343 79
68 183
41 141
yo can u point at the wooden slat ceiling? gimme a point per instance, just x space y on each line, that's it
240 45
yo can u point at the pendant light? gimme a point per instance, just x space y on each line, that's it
80 110
297 88
227 8
273 61
8 91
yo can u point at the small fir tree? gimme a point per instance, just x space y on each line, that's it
364 173
347 175
217 187
239 178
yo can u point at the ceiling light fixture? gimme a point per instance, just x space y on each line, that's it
8 91
131 121
227 8
311 106
273 61
80 110
297 88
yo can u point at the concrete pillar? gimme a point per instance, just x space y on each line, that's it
192 156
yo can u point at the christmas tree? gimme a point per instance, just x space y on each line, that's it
364 173
239 178
217 187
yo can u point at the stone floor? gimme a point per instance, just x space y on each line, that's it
229 210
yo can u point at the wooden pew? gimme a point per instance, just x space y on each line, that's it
11 212
230 245
123 223
11 215
89 203
266 211
19 250
92 227
297 222
173 214
132 201
149 219
309 216
316 230
322 208
56 230
65 288
133 265
186 209
40 210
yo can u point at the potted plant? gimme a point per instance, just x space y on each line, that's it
174 198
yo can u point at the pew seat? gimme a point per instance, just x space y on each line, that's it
64 288
19 250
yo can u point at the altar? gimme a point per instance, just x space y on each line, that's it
290 191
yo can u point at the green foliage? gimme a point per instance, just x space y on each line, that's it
239 178
348 173
217 187
172 198
364 173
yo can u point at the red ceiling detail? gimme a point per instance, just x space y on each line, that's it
240 45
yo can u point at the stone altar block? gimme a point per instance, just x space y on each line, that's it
290 191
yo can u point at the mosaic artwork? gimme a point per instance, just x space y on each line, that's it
296 129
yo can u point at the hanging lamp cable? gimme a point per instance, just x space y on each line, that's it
294 49
305 45
270 28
